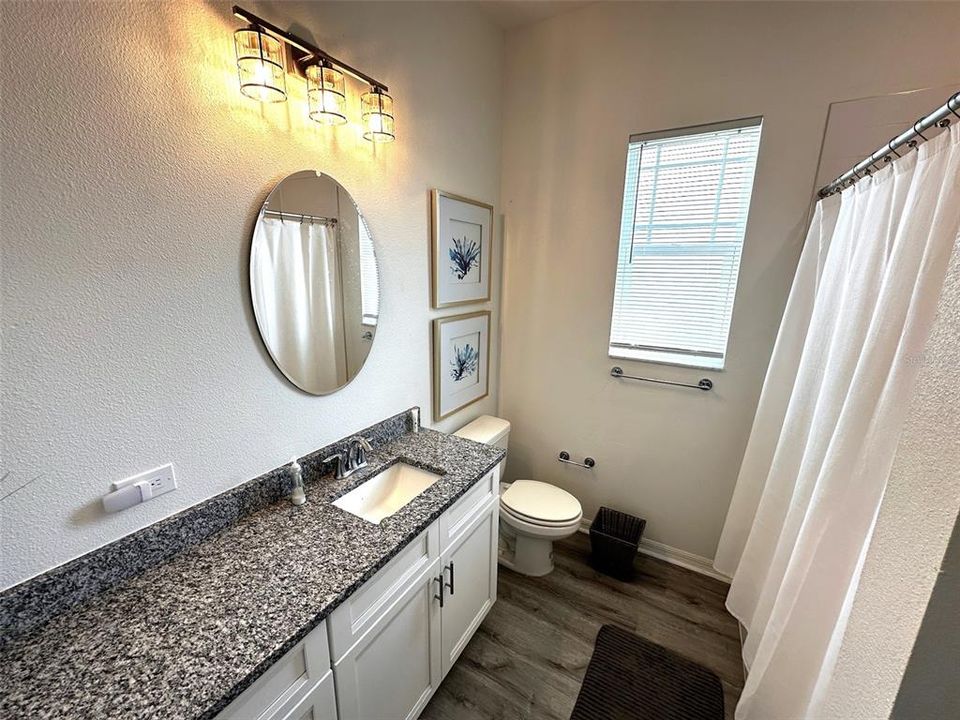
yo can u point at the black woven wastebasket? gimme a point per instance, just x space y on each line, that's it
614 539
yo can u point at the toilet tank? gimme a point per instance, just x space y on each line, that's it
488 430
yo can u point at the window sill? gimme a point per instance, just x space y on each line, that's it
666 358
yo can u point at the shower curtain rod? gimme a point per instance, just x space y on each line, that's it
939 117
299 216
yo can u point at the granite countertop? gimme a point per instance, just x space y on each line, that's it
184 638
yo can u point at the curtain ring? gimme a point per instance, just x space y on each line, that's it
917 131
892 148
951 109
944 123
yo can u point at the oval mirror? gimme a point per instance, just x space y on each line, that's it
314 282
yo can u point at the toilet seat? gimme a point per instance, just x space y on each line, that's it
541 503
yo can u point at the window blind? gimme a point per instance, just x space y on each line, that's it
369 279
685 203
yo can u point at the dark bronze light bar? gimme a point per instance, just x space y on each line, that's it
312 51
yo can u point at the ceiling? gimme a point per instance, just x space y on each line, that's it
511 14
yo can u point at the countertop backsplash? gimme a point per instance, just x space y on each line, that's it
37 600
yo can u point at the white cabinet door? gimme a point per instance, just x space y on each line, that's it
470 575
394 668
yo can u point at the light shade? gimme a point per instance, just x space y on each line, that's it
326 99
376 110
260 65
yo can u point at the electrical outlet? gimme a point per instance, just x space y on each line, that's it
160 480
139 488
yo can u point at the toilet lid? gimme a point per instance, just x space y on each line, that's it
541 501
506 512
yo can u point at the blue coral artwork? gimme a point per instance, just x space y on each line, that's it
464 252
464 364
464 255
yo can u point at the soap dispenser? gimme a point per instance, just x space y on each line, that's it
297 495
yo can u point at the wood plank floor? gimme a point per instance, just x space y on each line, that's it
529 656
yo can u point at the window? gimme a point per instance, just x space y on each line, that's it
685 203
369 278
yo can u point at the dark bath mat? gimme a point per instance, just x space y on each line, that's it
630 678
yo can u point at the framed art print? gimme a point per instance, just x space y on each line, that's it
461 359
462 245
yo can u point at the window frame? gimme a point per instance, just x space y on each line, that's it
678 357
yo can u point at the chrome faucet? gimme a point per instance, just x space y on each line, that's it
351 458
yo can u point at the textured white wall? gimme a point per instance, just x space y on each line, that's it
577 86
132 169
903 563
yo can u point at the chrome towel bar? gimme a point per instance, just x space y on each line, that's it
587 463
704 384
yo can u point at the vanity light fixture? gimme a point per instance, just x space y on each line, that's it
376 110
326 99
260 63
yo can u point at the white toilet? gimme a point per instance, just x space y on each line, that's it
532 514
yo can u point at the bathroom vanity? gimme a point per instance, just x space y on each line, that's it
383 651
247 606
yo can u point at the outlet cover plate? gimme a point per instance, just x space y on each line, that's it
161 479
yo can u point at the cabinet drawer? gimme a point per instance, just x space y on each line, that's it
286 683
373 599
458 516
319 704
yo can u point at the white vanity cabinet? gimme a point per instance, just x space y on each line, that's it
403 639
383 652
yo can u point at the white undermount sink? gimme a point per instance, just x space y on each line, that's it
386 492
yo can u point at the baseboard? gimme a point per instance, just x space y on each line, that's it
672 555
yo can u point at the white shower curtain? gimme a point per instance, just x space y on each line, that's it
831 411
297 300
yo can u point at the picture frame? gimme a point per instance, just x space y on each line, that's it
461 362
461 250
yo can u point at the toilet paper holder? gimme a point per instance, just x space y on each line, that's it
587 463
